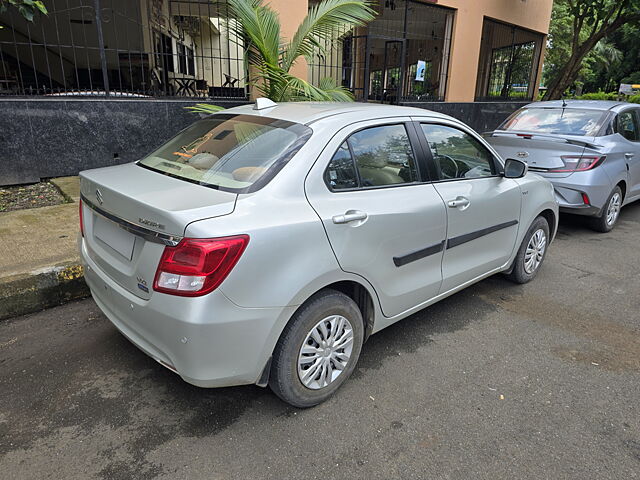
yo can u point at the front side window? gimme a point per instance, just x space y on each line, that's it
237 153
457 154
627 126
556 120
373 157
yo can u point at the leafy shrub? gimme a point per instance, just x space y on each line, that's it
598 96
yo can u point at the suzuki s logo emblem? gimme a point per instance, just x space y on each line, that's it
522 154
99 196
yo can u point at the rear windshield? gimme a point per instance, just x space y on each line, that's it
563 121
237 153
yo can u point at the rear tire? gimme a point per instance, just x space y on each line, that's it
531 253
610 212
318 349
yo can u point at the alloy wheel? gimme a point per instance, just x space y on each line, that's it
325 352
613 210
535 251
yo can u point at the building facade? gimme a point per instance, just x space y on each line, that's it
414 51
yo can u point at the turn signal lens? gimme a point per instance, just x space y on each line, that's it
579 163
80 214
197 266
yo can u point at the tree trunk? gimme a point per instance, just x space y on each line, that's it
569 73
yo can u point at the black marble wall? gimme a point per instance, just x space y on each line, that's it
46 137
42 138
481 116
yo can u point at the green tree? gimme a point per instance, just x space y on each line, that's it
577 27
270 58
27 8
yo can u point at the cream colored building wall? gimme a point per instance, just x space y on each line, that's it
467 32
291 13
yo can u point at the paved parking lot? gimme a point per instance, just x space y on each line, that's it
499 381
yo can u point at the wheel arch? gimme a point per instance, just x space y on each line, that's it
623 186
363 295
550 216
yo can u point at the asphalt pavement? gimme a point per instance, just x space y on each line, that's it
540 381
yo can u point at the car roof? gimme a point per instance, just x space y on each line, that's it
585 104
310 112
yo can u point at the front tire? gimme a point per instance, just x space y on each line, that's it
610 213
318 349
531 253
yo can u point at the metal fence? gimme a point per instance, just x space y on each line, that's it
124 48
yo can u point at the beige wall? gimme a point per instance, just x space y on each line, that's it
292 12
467 31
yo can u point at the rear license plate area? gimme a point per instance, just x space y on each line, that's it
114 237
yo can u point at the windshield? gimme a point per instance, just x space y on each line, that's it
562 121
237 153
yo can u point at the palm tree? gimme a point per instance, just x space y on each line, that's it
272 58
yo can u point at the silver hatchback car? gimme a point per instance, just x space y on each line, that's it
589 150
263 245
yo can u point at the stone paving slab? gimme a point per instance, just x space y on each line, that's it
40 259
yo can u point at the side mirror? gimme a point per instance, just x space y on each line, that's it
515 168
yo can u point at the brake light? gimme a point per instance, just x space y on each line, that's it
579 163
81 218
197 266
585 199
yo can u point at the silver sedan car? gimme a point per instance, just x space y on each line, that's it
589 150
264 244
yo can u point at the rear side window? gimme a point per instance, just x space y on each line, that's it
561 121
627 125
237 153
373 157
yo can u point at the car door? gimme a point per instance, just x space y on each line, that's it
483 207
383 220
628 126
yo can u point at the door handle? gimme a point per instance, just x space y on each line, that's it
349 216
628 155
459 202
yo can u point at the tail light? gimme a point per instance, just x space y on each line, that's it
579 163
197 266
81 218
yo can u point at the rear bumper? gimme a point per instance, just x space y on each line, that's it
568 191
209 341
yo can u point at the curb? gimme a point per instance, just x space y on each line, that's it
45 288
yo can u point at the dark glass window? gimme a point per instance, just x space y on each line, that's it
191 68
167 52
458 154
509 58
